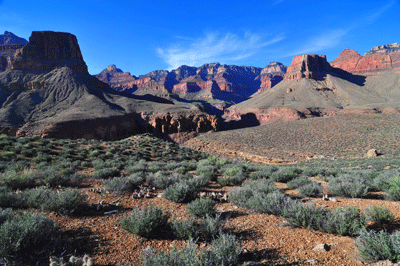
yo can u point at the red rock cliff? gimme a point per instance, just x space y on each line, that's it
47 50
380 58
308 66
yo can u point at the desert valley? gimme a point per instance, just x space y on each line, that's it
211 165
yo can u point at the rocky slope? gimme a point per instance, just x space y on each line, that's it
46 90
312 87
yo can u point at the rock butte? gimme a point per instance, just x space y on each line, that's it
46 90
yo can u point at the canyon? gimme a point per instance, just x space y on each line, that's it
46 90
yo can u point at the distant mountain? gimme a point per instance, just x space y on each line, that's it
9 44
10 38
378 59
213 83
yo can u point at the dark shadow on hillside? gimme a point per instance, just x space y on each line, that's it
246 120
356 79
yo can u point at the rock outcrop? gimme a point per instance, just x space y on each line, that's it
48 50
308 66
378 59
55 96
271 75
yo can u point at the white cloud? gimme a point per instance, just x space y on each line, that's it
213 47
321 42
334 37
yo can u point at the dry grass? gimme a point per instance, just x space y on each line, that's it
339 136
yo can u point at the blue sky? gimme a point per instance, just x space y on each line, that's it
142 36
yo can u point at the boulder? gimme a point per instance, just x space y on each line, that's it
372 153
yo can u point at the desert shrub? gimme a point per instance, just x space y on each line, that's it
8 155
53 177
393 193
180 192
201 207
106 173
25 234
28 152
263 172
242 195
19 179
344 221
375 246
198 181
163 179
232 169
383 181
285 174
147 222
236 179
6 214
272 203
313 189
210 226
224 251
156 166
320 172
298 182
304 215
208 171
349 186
41 157
378 214
120 185
140 166
67 202
7 198
185 229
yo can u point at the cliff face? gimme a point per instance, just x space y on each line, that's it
48 50
308 66
271 75
234 82
63 100
379 58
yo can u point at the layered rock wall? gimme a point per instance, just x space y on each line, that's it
379 58
308 66
48 50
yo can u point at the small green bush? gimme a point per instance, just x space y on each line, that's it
349 186
24 235
210 226
208 171
344 221
106 173
285 174
185 229
201 207
180 192
19 179
374 246
298 182
147 222
378 214
313 189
